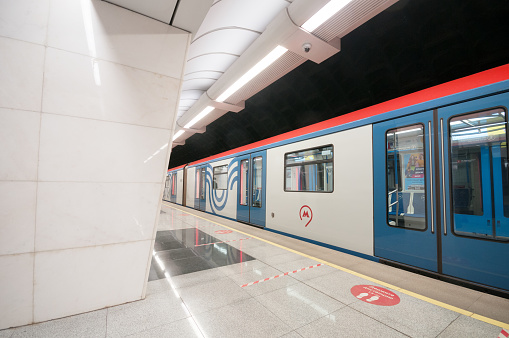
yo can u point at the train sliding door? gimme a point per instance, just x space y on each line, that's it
200 188
251 188
173 188
475 171
405 228
442 191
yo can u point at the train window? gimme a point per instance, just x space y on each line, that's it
310 170
479 174
221 177
244 182
406 202
257 182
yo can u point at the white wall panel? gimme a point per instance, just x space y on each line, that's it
107 91
16 290
87 171
22 63
76 149
99 29
17 217
343 218
24 20
85 279
19 139
94 213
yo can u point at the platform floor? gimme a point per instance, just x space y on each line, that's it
212 277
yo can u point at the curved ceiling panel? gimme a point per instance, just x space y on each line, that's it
190 94
209 74
187 102
200 84
229 28
254 15
218 62
231 40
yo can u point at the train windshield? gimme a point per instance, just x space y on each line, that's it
406 194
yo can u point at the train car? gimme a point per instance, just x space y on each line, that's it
174 185
419 182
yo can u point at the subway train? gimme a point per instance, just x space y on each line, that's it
419 182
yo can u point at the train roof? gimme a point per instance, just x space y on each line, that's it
463 84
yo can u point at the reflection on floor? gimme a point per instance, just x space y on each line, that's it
181 251
209 281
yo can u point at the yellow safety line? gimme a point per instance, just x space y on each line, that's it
374 280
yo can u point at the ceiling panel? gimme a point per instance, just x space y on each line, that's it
161 10
203 74
228 40
254 15
201 84
217 62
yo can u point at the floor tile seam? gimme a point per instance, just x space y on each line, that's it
222 306
457 318
270 311
106 328
157 326
391 286
377 320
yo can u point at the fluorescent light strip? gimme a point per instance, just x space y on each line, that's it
324 14
177 135
198 117
275 54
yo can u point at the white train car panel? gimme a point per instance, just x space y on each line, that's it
222 201
342 218
180 186
190 187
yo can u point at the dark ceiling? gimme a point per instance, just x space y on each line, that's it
413 45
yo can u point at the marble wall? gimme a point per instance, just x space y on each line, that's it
88 97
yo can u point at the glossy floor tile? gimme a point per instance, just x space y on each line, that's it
205 283
182 251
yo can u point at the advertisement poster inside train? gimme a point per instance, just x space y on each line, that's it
414 171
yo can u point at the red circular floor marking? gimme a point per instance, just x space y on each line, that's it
222 232
375 295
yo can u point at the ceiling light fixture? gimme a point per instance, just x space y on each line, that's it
177 135
198 117
275 54
324 14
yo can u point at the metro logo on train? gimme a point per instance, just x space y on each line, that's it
420 181
304 212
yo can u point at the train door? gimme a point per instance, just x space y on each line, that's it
251 188
405 229
461 185
200 188
166 195
173 188
473 160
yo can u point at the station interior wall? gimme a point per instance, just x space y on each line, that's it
88 98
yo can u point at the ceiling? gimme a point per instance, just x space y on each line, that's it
228 29
388 48
410 46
